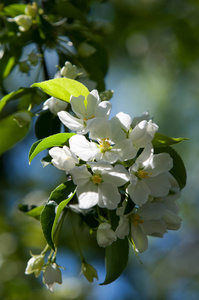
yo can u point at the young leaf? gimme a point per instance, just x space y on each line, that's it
31 210
161 140
116 259
58 139
62 88
11 132
178 171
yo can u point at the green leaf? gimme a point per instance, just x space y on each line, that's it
62 88
62 191
11 132
32 92
60 208
58 139
49 219
14 10
31 210
161 140
178 171
116 259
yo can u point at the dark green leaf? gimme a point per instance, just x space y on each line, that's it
178 171
47 219
59 139
31 210
161 140
62 191
116 259
47 124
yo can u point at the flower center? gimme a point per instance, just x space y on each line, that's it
135 219
96 178
86 118
105 145
142 174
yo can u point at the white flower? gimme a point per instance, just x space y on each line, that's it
69 70
35 265
85 112
63 158
105 235
24 22
106 149
52 275
142 222
149 176
143 133
100 186
54 105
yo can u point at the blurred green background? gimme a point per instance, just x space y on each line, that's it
153 48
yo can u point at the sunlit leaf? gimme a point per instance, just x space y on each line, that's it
14 10
116 259
62 88
58 139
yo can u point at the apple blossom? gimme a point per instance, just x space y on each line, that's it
105 235
149 176
54 105
69 70
52 275
85 111
100 186
35 265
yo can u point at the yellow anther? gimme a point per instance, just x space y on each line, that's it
142 174
105 145
96 179
135 219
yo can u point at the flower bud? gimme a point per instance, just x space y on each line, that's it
24 22
35 265
54 105
89 272
31 10
69 70
105 235
52 275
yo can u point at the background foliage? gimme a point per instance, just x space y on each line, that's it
147 52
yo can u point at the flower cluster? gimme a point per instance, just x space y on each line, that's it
113 162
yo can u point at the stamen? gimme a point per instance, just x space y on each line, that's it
135 219
142 174
105 145
96 179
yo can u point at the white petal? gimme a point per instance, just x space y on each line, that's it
154 227
63 158
105 235
71 122
140 239
160 163
103 110
159 186
83 148
118 123
143 133
118 175
107 156
99 129
100 167
78 106
125 150
139 192
151 211
123 228
87 195
109 196
80 175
